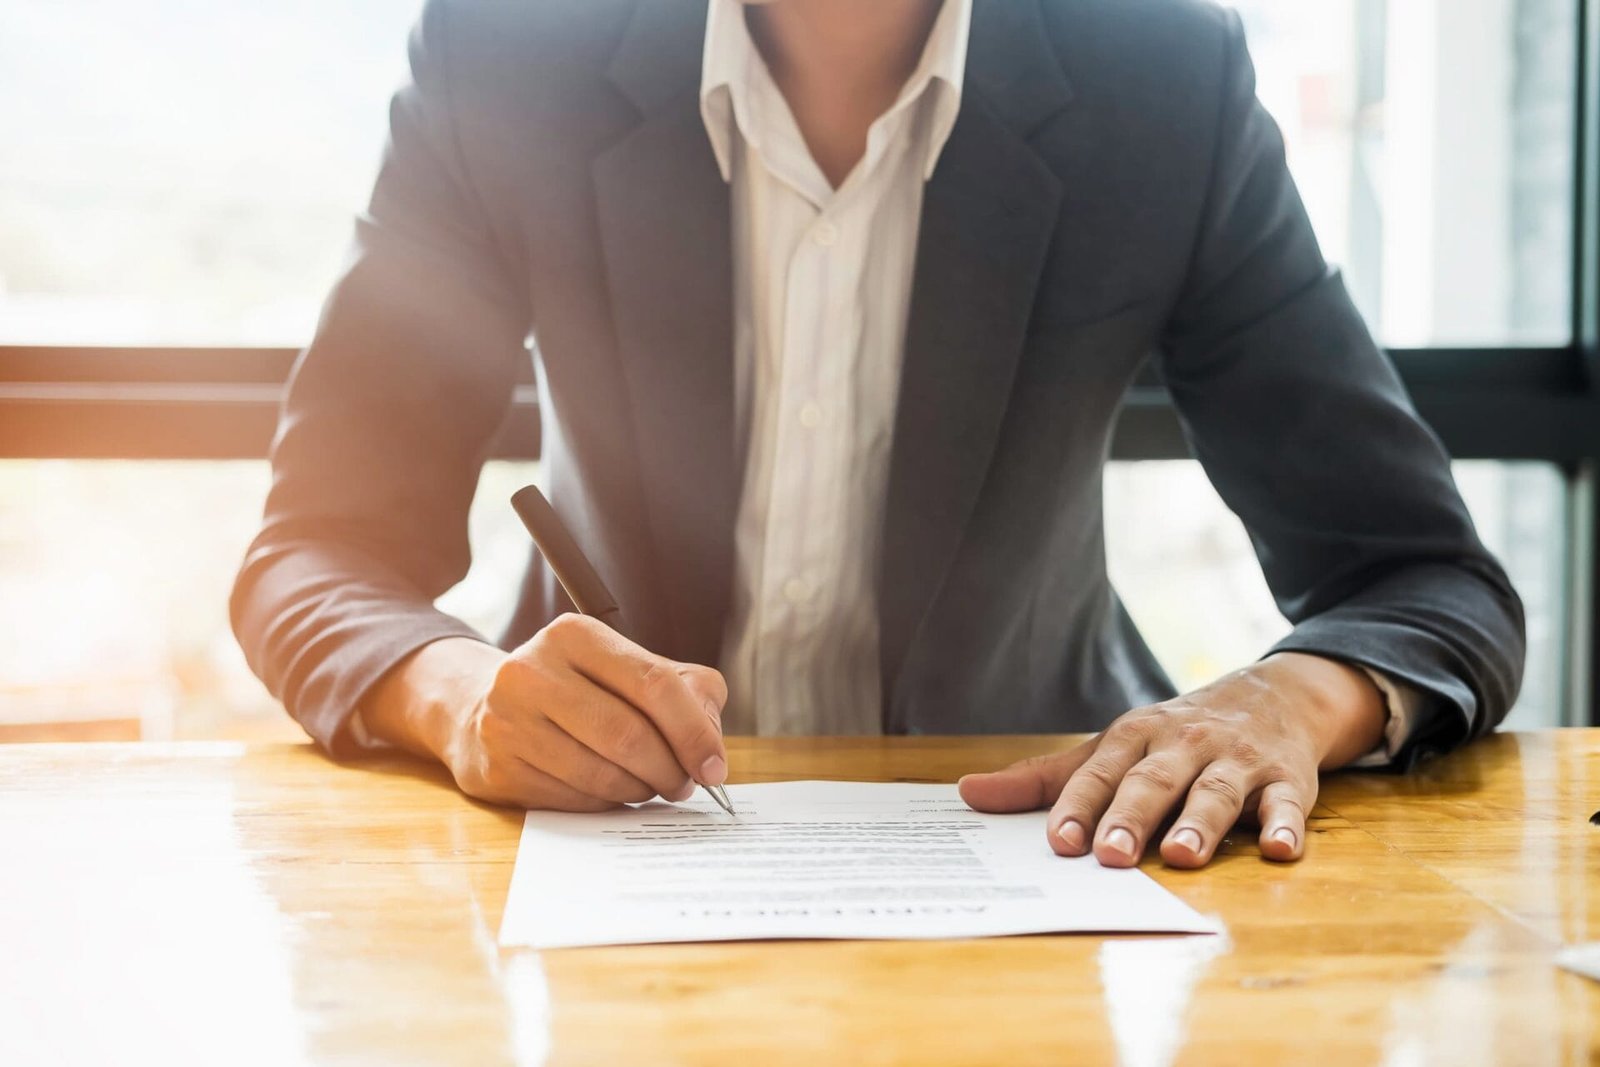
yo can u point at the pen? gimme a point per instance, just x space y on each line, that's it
577 575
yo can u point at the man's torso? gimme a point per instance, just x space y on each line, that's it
1055 234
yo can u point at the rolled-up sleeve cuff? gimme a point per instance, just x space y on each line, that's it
325 702
1406 707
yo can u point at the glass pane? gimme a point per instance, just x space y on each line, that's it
183 173
186 173
1433 144
1189 577
125 622
114 580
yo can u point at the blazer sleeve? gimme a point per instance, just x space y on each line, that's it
388 418
1304 427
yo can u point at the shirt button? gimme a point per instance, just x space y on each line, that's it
825 233
796 589
810 415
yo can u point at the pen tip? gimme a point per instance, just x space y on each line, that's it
720 795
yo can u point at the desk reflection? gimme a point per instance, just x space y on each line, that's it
1149 984
260 904
388 912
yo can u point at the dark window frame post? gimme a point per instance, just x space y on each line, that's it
1586 349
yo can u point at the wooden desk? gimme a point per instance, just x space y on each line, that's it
235 903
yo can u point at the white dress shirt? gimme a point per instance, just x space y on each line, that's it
821 293
823 285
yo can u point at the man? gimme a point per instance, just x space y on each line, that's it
834 304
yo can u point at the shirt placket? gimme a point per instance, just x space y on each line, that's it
797 531
809 514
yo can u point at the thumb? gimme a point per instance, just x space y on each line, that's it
708 687
1026 785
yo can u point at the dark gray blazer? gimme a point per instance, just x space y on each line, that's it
1111 191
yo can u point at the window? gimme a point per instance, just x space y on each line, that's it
125 625
1184 567
185 175
1433 144
121 628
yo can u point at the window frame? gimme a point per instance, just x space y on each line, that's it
59 402
1501 403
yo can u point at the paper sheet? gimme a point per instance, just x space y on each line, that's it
1581 959
814 859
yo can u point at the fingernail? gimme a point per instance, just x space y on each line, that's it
1285 836
1189 838
713 771
1119 840
1072 834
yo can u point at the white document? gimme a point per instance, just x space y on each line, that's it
1581 959
815 859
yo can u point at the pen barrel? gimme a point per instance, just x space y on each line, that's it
561 552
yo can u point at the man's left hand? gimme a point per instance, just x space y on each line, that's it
1248 745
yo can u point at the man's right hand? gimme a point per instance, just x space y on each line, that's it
577 719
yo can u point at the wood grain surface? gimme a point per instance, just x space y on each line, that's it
234 903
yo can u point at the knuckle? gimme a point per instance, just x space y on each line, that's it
707 683
565 630
1220 786
1153 774
657 681
1290 801
1244 751
1126 724
514 674
717 686
1197 733
1290 792
537 647
1138 725
1097 775
1120 731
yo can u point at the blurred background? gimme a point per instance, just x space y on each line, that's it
182 175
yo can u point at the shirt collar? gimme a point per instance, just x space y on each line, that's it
730 58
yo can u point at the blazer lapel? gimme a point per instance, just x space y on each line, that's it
665 235
988 218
